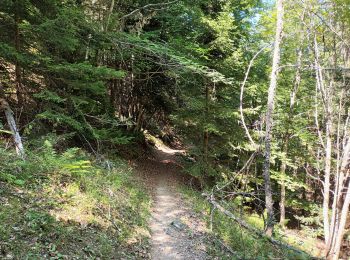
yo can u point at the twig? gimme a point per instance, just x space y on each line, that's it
136 11
251 158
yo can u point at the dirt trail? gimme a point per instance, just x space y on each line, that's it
177 233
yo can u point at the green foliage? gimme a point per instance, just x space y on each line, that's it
49 96
312 222
112 135
70 206
290 182
85 71
12 179
242 242
61 119
99 76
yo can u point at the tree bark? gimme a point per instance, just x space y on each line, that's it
269 120
335 246
4 105
18 75
338 181
110 11
206 133
327 174
326 96
283 187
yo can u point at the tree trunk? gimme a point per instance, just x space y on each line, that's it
269 120
110 11
206 133
139 119
327 172
338 181
12 124
283 187
112 95
326 95
344 202
339 236
17 66
283 203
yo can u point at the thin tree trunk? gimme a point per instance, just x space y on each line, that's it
283 199
4 105
110 11
326 97
206 133
17 66
327 171
87 52
112 95
139 120
283 186
269 120
297 81
338 183
334 249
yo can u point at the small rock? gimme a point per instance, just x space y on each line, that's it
178 224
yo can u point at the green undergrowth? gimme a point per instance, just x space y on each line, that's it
242 243
69 205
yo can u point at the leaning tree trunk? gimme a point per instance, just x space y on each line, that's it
343 205
335 249
4 105
269 120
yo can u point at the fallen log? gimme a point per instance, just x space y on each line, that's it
244 224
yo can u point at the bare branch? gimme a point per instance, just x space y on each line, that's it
149 6
242 91
316 120
242 223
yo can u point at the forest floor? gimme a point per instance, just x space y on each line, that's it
177 232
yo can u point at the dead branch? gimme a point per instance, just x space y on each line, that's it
149 6
251 229
242 91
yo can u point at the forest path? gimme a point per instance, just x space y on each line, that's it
177 233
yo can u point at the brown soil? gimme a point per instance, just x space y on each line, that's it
176 232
